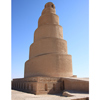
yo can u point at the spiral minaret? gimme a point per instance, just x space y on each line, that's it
48 54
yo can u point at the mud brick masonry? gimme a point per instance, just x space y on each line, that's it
49 68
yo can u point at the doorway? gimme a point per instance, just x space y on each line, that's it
45 87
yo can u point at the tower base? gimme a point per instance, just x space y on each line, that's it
38 85
49 85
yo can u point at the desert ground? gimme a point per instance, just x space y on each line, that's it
18 95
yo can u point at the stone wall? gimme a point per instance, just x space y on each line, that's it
25 85
76 84
45 85
38 85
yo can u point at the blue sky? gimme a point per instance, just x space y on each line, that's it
73 17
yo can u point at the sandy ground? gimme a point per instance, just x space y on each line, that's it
17 95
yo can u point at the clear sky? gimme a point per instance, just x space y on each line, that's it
73 17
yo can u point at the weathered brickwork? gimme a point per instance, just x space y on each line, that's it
76 84
44 85
38 85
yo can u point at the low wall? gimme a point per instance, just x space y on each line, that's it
76 84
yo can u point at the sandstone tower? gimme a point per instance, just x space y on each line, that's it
48 54
49 68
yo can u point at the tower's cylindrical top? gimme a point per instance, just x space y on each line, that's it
49 5
48 15
49 8
48 23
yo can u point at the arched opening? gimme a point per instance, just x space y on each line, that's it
31 87
53 87
63 85
14 85
52 6
45 87
21 86
17 85
24 85
27 86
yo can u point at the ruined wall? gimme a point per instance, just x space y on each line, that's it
25 84
76 84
